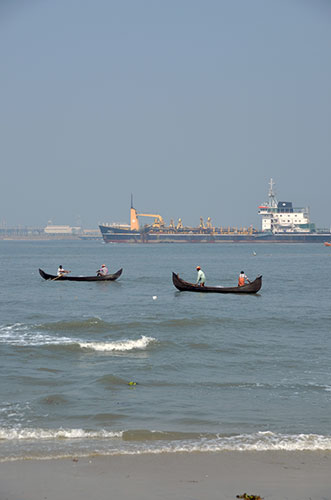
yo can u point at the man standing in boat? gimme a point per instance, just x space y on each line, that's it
103 271
201 278
242 279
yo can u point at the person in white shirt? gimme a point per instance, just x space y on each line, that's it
61 271
201 278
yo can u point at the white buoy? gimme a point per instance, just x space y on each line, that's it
154 297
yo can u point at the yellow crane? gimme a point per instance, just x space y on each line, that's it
158 221
179 224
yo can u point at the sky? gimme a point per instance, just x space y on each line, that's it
191 105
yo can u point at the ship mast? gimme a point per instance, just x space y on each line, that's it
272 195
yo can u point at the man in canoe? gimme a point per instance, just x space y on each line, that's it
201 278
61 271
103 271
242 279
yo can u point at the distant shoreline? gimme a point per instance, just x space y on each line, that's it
258 241
49 238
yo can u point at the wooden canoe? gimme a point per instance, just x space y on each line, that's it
184 286
66 277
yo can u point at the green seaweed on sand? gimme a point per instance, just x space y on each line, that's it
249 497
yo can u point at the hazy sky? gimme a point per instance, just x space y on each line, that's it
191 105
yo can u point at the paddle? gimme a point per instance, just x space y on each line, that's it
61 275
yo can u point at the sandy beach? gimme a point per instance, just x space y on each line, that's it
193 476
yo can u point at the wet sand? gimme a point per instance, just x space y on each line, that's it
192 476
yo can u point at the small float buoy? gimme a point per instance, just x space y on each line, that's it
154 297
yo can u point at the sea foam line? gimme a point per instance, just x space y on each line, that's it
40 444
52 434
260 441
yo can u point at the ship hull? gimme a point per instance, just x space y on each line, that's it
116 235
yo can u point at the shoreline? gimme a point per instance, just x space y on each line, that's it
274 475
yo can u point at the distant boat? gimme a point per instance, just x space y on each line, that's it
184 286
327 244
108 277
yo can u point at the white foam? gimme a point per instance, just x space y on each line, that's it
261 441
124 345
255 442
20 334
267 441
50 434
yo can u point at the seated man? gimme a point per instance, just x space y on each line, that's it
61 271
242 279
103 271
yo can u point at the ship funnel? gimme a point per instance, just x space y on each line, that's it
134 221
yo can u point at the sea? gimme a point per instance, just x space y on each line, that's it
135 366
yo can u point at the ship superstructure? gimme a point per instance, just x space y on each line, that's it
282 217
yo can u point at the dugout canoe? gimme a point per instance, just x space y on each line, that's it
184 286
108 277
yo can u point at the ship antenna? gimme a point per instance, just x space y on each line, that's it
131 200
271 194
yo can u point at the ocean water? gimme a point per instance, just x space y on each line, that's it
211 371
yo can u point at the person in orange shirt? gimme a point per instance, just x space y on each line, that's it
242 279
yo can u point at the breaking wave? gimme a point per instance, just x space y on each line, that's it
124 345
21 335
179 441
57 443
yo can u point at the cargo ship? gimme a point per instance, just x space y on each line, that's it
159 232
281 222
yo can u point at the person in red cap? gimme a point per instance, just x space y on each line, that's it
201 278
103 271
